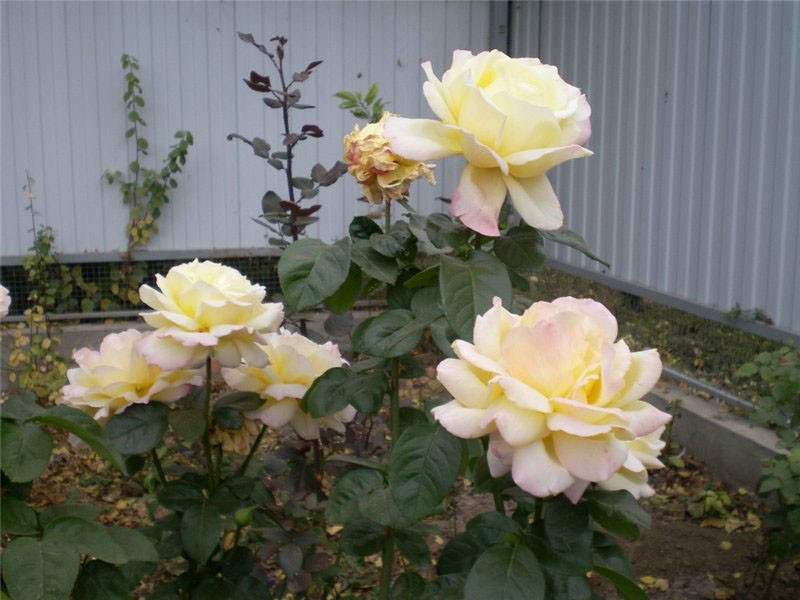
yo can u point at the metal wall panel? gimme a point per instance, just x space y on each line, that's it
63 117
694 190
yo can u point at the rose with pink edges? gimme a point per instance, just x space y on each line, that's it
558 395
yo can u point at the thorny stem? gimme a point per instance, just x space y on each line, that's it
157 465
207 433
243 467
387 216
387 561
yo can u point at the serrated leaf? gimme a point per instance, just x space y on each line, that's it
201 527
373 263
618 512
628 589
390 334
343 502
139 429
422 467
573 240
347 294
468 287
329 393
40 570
16 517
520 248
136 545
460 553
87 429
89 537
21 406
189 423
25 450
505 572
310 271
99 580
87 512
362 538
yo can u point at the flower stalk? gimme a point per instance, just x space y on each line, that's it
207 433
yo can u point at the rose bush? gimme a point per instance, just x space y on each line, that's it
381 172
558 396
513 119
108 381
294 363
203 306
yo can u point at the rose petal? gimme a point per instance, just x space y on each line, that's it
592 459
537 471
465 423
478 199
422 139
462 383
535 201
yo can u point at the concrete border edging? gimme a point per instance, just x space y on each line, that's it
733 451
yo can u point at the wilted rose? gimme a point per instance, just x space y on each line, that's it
236 441
513 119
5 301
203 306
558 396
294 363
380 171
108 381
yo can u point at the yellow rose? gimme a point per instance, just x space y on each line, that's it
203 306
513 119
108 381
380 171
236 441
558 396
294 363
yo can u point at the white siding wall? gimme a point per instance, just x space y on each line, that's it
63 117
694 190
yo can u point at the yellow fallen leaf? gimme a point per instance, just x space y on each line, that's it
718 523
724 593
439 540
333 529
121 505
725 545
737 575
648 580
661 584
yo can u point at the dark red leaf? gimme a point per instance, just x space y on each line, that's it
312 131
313 64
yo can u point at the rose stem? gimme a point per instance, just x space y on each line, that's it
387 560
157 465
394 400
207 433
243 467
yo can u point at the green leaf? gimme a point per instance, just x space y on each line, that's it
390 334
363 228
227 418
87 512
468 287
240 401
189 423
311 271
373 263
25 450
180 496
87 429
201 527
21 406
16 517
444 233
445 587
413 547
214 588
618 512
99 580
627 588
139 429
343 502
491 528
379 506
40 570
329 393
89 537
136 545
408 586
505 572
607 553
428 277
459 554
302 183
386 244
573 240
362 538
520 249
422 467
347 294
260 147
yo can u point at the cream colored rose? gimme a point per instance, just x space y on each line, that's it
205 306
513 119
380 171
294 363
108 381
5 301
632 475
558 396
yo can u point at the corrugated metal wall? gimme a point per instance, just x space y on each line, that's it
694 190
63 117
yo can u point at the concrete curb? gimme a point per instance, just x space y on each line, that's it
733 451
